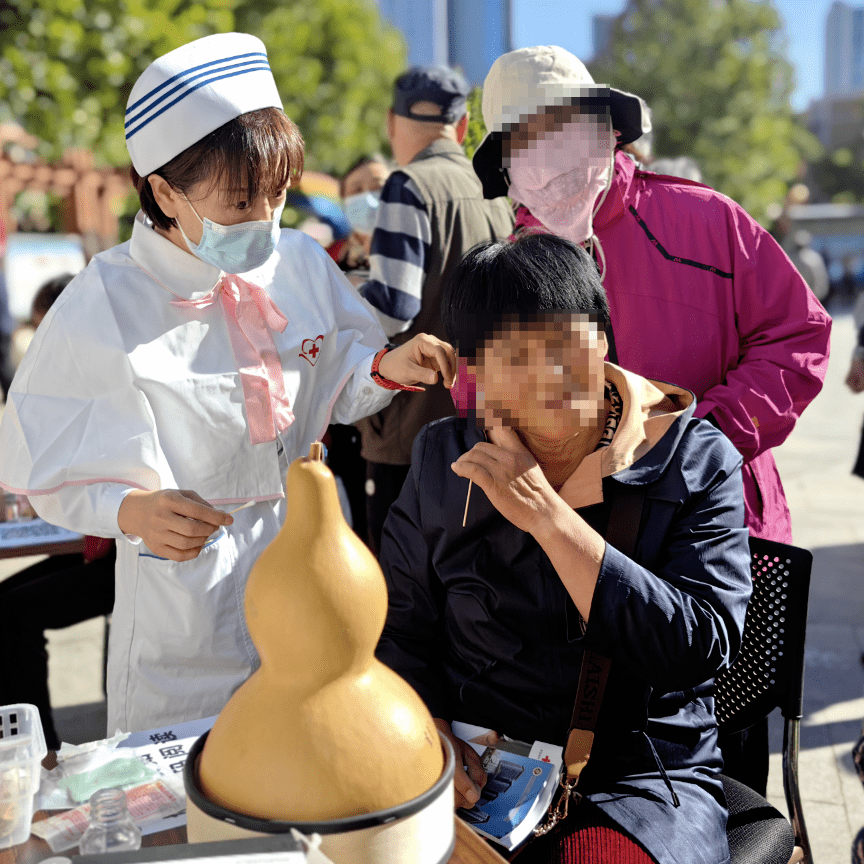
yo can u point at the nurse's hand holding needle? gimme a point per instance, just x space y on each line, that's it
174 523
419 361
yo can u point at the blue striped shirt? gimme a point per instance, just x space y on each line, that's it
399 255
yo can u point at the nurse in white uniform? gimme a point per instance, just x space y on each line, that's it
163 390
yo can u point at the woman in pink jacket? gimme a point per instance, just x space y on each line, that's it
700 294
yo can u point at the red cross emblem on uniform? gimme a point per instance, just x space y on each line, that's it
311 348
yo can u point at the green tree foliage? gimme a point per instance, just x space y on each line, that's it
335 62
839 176
67 66
716 77
476 131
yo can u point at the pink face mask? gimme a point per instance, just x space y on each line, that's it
562 174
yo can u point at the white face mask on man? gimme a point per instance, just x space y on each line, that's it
562 174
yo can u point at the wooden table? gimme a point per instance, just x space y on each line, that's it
470 848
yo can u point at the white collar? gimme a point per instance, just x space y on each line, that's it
177 271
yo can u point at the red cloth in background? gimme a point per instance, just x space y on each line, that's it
96 547
334 250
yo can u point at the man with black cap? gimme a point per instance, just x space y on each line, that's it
432 211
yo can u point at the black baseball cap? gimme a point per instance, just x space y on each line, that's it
437 84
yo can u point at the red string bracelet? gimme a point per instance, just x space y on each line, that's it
386 383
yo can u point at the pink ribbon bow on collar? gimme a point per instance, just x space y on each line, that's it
250 315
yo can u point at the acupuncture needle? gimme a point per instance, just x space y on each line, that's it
221 530
468 497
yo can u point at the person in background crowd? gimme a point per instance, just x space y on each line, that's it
58 592
367 174
360 188
700 294
845 286
855 382
810 264
684 166
858 762
431 212
42 302
638 156
46 296
7 322
855 378
827 260
7 329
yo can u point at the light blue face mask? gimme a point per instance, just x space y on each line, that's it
362 209
235 248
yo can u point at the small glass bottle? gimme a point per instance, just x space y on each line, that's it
111 827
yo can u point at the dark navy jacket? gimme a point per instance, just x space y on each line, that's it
481 626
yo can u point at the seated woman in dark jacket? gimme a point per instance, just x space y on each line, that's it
489 621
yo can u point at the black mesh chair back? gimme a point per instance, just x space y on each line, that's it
768 672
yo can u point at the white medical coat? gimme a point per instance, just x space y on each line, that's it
120 390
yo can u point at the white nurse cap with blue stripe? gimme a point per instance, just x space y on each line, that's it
192 90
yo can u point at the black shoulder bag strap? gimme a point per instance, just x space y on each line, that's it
621 533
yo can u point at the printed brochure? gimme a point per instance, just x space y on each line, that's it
521 782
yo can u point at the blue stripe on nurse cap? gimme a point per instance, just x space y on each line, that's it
192 90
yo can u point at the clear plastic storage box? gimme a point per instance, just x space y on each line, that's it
22 749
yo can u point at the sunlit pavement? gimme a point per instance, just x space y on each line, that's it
827 505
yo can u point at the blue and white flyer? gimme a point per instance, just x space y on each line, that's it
521 781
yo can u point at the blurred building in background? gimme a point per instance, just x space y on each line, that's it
466 34
844 50
837 119
602 27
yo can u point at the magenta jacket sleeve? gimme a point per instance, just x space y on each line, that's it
783 334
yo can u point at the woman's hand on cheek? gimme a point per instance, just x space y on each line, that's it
511 479
419 361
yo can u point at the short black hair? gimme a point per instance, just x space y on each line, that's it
48 293
359 162
536 275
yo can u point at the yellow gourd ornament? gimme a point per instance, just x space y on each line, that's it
322 730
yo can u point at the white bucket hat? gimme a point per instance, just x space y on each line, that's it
522 83
192 91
